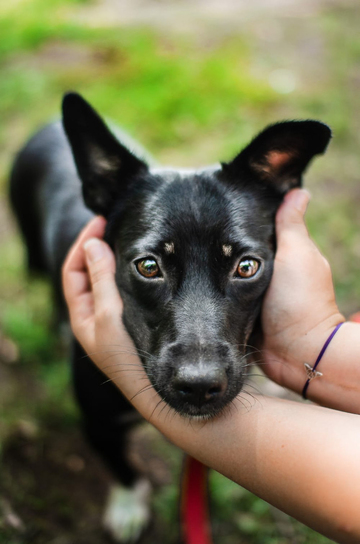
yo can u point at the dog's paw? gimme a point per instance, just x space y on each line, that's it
127 511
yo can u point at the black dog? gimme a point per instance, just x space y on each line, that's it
194 253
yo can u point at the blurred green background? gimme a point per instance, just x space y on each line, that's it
193 81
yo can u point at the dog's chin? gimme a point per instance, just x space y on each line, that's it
204 417
203 412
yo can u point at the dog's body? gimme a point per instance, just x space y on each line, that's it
194 253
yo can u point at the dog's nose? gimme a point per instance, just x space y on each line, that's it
198 385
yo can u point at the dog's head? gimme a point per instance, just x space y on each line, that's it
194 249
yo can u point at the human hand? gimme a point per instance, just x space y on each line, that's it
299 310
95 306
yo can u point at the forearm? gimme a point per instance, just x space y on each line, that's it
339 385
302 459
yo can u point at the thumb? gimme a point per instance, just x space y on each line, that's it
100 262
290 215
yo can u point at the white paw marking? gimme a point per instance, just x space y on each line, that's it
127 511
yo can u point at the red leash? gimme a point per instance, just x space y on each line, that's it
195 519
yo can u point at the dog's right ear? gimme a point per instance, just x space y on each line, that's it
105 167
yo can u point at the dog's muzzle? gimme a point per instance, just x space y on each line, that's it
197 381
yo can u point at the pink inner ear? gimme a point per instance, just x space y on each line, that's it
273 163
275 160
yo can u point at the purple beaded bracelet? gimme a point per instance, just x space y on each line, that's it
312 372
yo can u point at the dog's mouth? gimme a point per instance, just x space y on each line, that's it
202 411
201 391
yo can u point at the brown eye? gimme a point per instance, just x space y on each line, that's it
248 268
148 268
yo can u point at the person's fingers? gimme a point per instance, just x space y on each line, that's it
101 266
75 259
74 273
290 216
76 284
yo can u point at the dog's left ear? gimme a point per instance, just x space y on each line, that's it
279 155
105 166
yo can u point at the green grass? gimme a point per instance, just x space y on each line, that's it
190 99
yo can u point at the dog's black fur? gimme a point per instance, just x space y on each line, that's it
192 320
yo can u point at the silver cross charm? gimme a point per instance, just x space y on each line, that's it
311 374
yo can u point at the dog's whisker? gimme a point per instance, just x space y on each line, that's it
156 406
255 398
256 389
117 354
261 362
256 353
256 362
163 408
139 373
135 351
143 390
232 405
132 371
122 364
247 346
206 422
99 352
170 413
113 378
126 361
244 399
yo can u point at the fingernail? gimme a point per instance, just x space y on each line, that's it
94 249
300 199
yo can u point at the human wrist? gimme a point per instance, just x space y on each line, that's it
303 349
339 385
312 371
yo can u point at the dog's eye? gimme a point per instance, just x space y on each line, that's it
247 268
148 268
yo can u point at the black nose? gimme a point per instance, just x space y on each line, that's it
200 385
